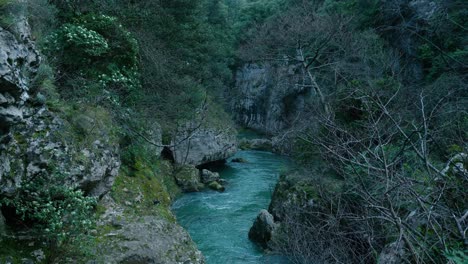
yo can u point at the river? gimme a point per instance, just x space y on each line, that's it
219 222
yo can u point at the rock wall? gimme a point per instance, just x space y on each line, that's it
19 61
268 97
146 237
33 140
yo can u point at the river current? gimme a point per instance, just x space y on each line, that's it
219 223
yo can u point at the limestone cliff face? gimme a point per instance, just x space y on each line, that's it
79 144
268 97
19 61
35 141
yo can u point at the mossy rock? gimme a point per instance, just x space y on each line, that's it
143 191
299 189
214 185
188 178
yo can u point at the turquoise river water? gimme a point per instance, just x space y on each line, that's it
219 223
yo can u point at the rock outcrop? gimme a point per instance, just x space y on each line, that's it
268 97
198 145
188 178
35 141
143 238
209 176
263 228
293 193
19 61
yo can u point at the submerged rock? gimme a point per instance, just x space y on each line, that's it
214 185
263 228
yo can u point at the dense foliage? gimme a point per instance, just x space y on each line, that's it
58 214
387 118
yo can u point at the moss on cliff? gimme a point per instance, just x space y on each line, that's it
146 189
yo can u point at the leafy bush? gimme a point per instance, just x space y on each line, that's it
97 51
58 213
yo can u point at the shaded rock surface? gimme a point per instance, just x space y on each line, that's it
197 146
263 228
214 185
34 140
209 176
143 239
188 178
19 61
291 191
268 97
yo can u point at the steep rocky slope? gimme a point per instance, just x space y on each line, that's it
37 140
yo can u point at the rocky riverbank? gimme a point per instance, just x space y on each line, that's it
78 146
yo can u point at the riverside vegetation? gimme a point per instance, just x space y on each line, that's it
110 109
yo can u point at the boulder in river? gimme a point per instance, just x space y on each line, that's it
209 176
214 185
188 178
263 228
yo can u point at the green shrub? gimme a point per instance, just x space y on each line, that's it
98 53
58 213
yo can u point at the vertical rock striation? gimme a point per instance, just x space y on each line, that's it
268 97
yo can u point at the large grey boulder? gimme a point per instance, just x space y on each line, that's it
263 228
142 239
148 239
200 145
